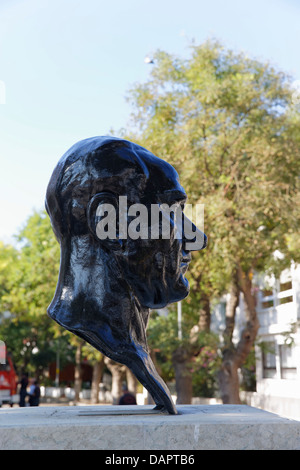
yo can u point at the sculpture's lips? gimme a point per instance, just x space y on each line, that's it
184 265
186 259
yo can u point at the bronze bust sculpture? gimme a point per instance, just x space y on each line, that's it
109 280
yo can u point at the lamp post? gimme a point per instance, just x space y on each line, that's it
179 319
57 368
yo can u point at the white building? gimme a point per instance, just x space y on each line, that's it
278 343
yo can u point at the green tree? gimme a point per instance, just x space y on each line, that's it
96 358
229 126
8 258
29 286
196 374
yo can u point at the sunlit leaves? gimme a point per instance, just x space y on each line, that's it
228 124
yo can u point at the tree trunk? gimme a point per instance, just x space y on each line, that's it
229 379
183 378
97 375
234 357
182 357
249 333
204 314
118 373
228 374
131 382
78 372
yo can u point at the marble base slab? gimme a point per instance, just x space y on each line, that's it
197 427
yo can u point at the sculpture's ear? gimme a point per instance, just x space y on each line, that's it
102 218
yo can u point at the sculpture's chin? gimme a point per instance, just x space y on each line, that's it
163 294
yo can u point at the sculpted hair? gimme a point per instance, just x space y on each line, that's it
87 168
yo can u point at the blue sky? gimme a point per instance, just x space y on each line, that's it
67 66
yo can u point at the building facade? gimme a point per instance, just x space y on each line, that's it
277 345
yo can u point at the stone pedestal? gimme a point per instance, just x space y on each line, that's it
199 427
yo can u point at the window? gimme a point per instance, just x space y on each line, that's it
269 361
284 296
287 362
267 300
285 286
267 303
286 300
267 292
5 367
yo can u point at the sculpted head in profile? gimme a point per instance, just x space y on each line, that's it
117 212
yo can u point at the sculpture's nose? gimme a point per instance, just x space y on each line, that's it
193 238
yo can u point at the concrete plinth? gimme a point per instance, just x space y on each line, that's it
199 427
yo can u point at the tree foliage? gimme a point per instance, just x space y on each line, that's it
28 284
226 122
229 125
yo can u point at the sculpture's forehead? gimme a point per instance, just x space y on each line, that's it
121 163
162 177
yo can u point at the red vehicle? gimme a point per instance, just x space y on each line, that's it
8 381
